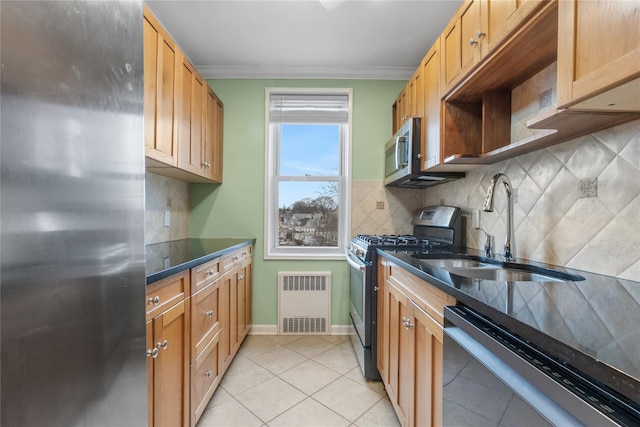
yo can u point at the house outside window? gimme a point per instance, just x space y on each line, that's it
308 158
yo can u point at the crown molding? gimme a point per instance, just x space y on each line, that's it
304 72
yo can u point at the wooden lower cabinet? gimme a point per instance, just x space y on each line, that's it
221 319
410 354
167 366
205 377
196 321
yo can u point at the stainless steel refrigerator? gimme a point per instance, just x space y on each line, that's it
72 279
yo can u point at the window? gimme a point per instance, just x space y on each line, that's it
307 173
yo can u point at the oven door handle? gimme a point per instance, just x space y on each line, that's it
357 266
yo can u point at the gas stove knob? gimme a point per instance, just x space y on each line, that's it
359 252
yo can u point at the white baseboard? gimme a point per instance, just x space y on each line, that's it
341 329
273 329
264 330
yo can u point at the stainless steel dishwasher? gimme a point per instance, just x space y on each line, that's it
493 377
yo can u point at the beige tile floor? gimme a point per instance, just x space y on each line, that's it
297 381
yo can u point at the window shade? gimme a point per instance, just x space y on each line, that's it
308 108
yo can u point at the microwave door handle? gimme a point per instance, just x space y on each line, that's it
397 153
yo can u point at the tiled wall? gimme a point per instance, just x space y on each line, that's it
161 194
559 218
379 210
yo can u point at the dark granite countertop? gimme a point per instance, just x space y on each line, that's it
592 324
167 258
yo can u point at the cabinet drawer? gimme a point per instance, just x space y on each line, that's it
204 379
204 318
166 292
236 257
204 274
426 296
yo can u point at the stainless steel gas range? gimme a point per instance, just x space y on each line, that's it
436 229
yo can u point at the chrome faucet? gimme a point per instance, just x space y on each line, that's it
509 242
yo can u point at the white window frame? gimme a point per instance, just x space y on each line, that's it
271 249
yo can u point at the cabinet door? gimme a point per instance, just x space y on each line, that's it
598 49
427 355
401 370
459 43
225 318
170 368
431 93
191 122
213 138
160 66
500 18
150 378
244 299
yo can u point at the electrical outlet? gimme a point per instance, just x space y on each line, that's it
167 262
167 218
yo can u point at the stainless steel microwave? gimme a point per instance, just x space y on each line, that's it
402 160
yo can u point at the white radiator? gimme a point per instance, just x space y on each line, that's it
304 303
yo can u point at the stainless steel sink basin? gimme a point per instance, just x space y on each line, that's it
478 268
504 275
447 263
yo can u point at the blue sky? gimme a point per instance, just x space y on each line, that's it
312 150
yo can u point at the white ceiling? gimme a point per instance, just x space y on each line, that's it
383 39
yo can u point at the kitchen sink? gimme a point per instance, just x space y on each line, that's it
504 275
447 263
478 268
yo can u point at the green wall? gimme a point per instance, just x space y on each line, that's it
236 207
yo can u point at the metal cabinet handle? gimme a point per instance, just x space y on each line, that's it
155 300
152 353
473 42
163 345
207 164
480 34
208 313
235 258
210 273
244 253
209 373
240 276
407 323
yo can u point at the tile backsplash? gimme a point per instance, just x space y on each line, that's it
379 210
577 203
165 194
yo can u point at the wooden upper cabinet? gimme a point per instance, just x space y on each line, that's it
501 17
400 110
182 116
599 55
192 119
460 46
160 67
477 29
430 150
213 137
